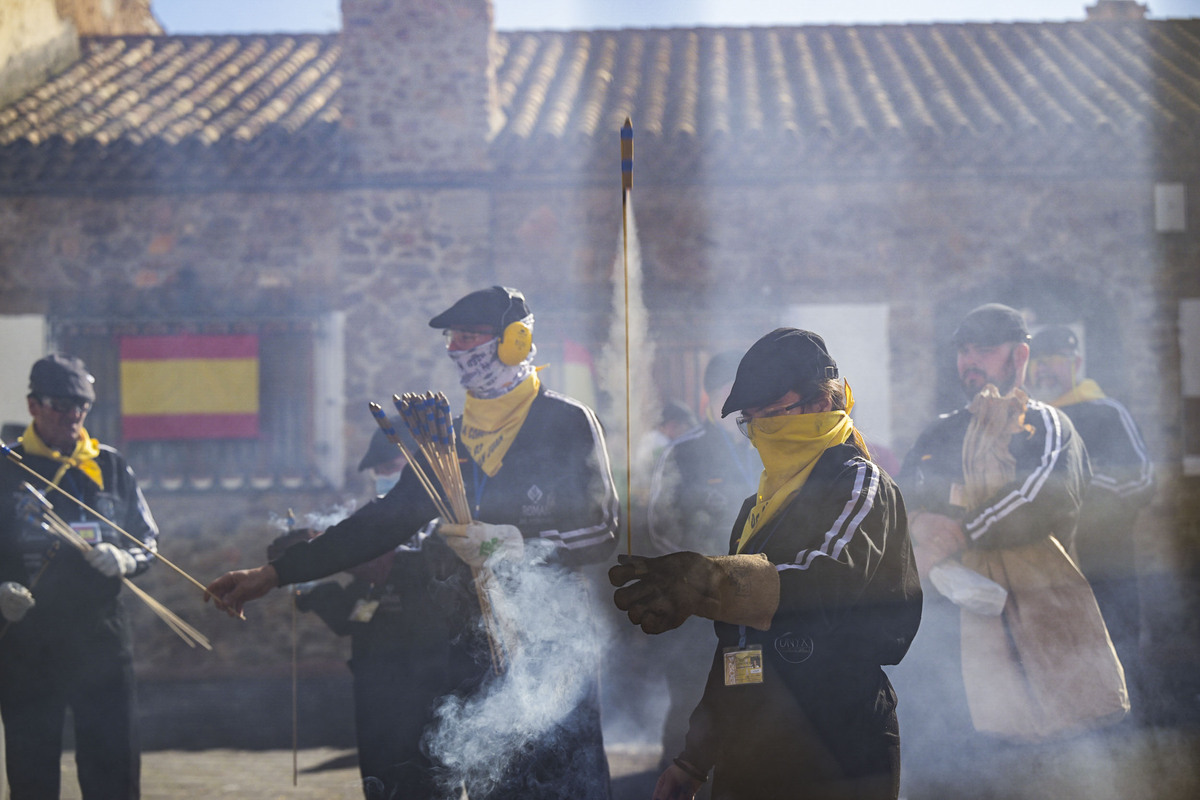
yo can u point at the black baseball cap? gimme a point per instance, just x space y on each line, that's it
61 376
497 306
1058 340
777 363
991 324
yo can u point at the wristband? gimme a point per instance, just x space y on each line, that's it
692 772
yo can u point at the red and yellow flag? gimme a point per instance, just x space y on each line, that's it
189 387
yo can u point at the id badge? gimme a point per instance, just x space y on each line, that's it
88 531
363 610
743 665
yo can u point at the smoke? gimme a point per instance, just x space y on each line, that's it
544 702
626 363
315 520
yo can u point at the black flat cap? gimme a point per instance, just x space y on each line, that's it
991 324
497 306
61 376
777 363
1058 340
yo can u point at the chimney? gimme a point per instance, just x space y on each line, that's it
1110 10
35 43
418 85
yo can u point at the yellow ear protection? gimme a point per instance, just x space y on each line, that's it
517 339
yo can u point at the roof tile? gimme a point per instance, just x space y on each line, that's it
223 108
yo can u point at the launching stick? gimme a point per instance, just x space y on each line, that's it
52 523
626 195
15 458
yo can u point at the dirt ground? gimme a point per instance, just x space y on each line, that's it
1139 764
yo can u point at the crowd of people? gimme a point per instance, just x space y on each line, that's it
805 607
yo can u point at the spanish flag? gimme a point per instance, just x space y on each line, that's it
189 387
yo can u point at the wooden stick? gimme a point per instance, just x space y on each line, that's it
16 459
55 524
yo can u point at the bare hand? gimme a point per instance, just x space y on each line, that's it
935 537
234 589
675 784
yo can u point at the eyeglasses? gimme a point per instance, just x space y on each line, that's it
65 405
465 340
743 421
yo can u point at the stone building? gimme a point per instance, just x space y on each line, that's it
327 194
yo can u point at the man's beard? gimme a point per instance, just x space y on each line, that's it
973 380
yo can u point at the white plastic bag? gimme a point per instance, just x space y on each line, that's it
967 589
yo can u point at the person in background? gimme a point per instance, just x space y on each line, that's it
1122 485
66 640
818 591
393 680
1004 473
537 477
699 484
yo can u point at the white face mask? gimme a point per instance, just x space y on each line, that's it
384 483
484 375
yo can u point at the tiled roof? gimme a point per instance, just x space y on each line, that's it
216 108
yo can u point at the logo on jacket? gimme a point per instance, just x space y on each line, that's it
794 649
535 494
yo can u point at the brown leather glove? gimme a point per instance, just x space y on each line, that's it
741 590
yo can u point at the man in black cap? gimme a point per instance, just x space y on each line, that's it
1122 485
65 640
818 591
538 481
395 680
698 486
1004 472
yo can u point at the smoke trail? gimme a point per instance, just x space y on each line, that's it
317 521
643 401
493 735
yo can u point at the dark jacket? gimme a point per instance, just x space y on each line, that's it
850 601
1052 474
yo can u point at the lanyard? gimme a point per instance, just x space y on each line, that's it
480 479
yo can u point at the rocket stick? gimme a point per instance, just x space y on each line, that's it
15 458
626 195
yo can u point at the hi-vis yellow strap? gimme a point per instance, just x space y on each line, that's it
83 456
489 426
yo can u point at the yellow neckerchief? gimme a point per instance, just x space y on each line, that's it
83 456
489 426
1086 389
789 447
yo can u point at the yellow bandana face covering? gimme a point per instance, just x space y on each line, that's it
83 456
789 446
489 426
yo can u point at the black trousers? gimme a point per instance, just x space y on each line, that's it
91 672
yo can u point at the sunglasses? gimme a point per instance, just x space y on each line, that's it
65 405
743 422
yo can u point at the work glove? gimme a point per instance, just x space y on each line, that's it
740 590
110 560
15 601
477 542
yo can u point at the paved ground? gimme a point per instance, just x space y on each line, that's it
1147 764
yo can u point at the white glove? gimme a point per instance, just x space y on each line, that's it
15 601
110 560
479 541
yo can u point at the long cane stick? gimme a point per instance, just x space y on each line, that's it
15 458
626 195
